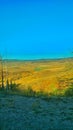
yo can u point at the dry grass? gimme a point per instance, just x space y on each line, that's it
47 76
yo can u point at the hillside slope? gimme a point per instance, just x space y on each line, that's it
24 113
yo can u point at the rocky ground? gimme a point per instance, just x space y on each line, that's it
29 113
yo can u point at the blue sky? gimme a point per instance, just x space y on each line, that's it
36 27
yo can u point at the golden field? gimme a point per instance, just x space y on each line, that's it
40 75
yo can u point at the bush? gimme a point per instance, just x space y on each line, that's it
69 91
29 92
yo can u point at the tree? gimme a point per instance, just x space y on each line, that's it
2 73
7 85
7 81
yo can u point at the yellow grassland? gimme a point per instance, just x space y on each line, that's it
40 75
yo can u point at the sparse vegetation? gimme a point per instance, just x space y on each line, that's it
17 112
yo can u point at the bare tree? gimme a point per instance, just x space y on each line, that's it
2 72
7 80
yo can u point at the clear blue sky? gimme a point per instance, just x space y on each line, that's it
36 26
